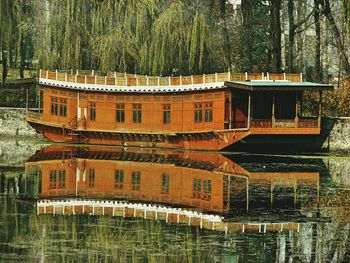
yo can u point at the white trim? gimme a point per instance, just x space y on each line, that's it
131 89
121 204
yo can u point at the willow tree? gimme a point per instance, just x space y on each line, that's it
180 37
121 34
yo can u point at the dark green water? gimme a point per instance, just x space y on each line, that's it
272 212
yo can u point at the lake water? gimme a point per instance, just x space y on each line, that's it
109 204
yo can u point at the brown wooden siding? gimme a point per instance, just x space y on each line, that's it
181 105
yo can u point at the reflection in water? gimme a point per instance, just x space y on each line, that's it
110 203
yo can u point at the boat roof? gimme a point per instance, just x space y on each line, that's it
276 85
132 89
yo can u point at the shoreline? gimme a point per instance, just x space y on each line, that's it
334 137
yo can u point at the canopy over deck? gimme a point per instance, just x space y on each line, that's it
277 85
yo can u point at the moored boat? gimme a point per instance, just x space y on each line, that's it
207 112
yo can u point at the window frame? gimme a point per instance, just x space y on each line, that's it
208 111
135 180
54 106
137 113
119 179
166 113
120 112
92 111
63 107
198 112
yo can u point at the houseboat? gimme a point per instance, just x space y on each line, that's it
194 188
207 112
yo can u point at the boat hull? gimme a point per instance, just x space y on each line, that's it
216 140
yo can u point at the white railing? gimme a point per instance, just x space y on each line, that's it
123 79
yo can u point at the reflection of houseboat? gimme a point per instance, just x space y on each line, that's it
154 185
207 112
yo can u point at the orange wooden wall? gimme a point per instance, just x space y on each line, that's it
182 110
180 182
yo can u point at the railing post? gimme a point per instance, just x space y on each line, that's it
203 78
75 77
85 79
93 73
229 75
301 77
65 77
137 81
126 80
115 80
268 76
47 74
216 77
192 79
95 79
56 77
273 111
169 80
319 110
181 80
249 109
262 76
105 80
296 110
284 76
147 80
246 75
158 80
39 73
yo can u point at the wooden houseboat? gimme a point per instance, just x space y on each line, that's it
208 112
209 188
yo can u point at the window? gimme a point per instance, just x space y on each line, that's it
62 179
166 113
135 181
54 106
120 114
119 179
63 107
137 113
208 112
207 190
92 111
165 183
197 188
198 112
53 179
91 178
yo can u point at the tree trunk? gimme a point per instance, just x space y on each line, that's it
22 56
227 46
338 40
318 69
276 35
4 65
246 41
291 36
300 37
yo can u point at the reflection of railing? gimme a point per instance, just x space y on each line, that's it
34 115
155 212
287 123
123 79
